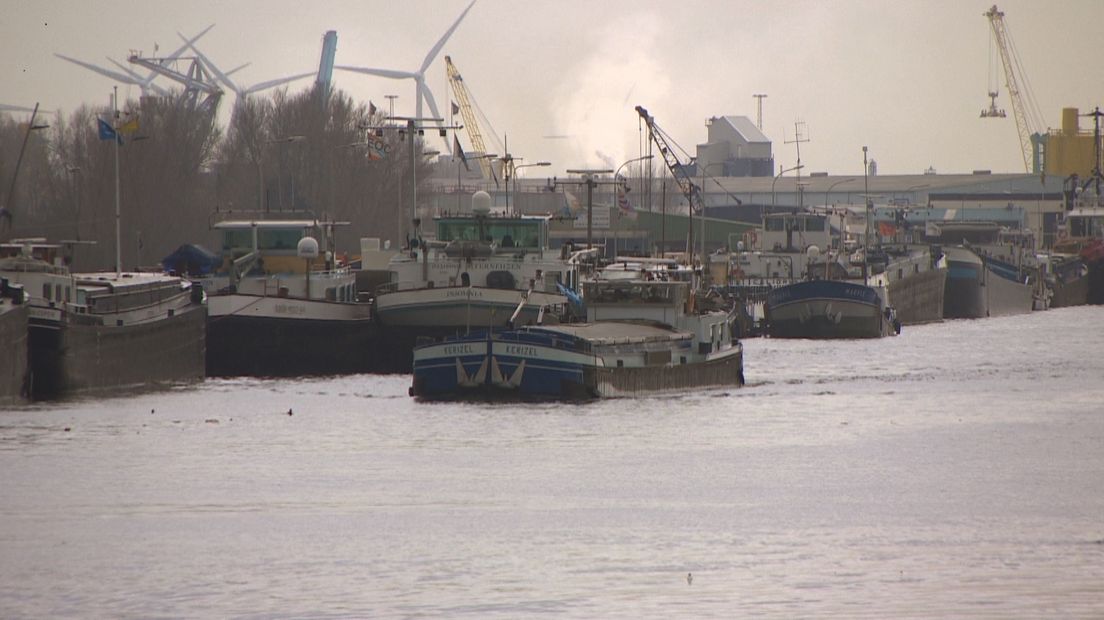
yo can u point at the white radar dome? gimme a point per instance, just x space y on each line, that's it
307 248
813 251
481 203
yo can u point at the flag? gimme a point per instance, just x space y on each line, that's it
571 205
130 126
886 229
459 152
455 108
107 132
623 204
371 108
377 148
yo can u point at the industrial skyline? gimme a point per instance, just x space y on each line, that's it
560 80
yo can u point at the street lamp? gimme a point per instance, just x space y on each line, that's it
617 231
866 235
780 173
74 172
280 187
462 161
588 178
31 126
516 168
704 172
833 185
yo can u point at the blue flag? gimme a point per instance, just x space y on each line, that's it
107 132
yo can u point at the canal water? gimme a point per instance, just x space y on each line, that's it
954 471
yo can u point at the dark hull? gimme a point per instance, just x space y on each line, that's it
1096 282
71 358
826 309
290 347
964 299
13 354
399 343
547 374
919 297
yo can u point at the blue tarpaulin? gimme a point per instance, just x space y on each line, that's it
191 259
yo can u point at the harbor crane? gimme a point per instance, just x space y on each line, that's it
1024 107
467 111
198 80
663 142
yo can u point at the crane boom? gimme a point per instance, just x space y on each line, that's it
685 183
1019 110
470 122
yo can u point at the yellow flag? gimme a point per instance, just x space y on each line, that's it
130 126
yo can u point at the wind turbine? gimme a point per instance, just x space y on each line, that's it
241 91
422 92
17 108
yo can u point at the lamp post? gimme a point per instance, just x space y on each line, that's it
74 172
780 173
866 235
413 125
19 161
588 178
516 168
617 173
831 187
704 172
286 140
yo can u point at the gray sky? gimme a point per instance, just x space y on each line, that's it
906 78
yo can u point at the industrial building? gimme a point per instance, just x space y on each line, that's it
735 147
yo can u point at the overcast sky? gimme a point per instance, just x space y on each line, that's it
906 78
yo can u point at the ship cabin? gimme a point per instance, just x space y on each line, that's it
1085 223
620 300
795 232
483 235
264 257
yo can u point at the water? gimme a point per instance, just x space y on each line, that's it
954 471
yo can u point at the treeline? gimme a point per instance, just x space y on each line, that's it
299 153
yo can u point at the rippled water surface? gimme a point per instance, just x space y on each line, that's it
954 471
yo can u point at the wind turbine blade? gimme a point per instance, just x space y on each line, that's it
430 101
441 43
142 82
387 73
180 50
433 109
14 108
238 68
125 68
273 83
222 77
126 79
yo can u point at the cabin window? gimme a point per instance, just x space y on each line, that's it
46 291
620 363
682 359
57 292
67 294
279 239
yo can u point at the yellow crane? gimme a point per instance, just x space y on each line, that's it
463 100
1024 107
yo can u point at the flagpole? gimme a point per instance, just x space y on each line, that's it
118 234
